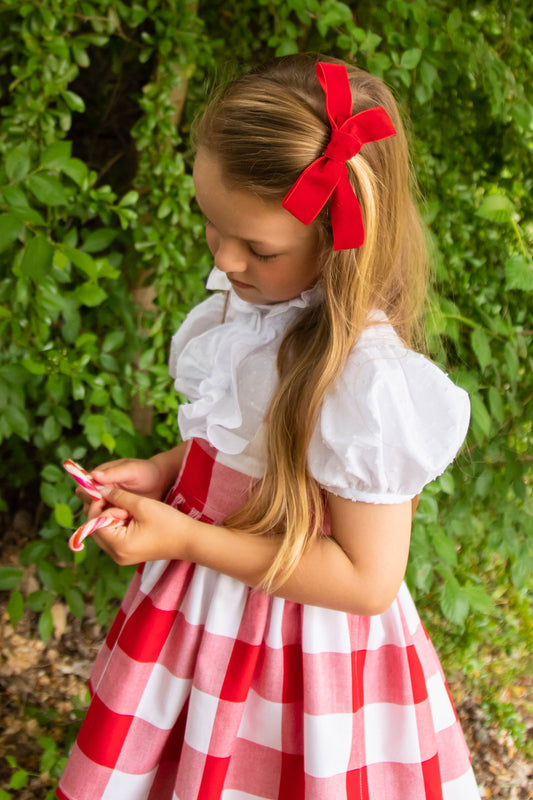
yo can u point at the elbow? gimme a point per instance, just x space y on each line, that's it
371 601
378 606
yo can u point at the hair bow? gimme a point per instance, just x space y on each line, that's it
327 176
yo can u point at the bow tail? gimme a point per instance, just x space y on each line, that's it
346 217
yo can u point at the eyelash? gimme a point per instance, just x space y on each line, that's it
259 256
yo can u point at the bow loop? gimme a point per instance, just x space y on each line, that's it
327 176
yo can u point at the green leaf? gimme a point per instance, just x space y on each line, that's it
82 260
15 607
51 473
519 273
63 515
18 162
454 21
113 341
99 240
447 483
73 101
496 404
17 421
40 600
445 547
10 577
481 347
49 756
19 779
48 190
75 602
480 416
10 228
35 367
129 199
410 58
46 625
496 208
76 170
483 483
37 258
57 155
286 48
48 573
454 602
90 294
95 428
512 361
428 74
478 599
51 430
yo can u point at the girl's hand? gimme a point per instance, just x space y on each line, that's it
143 477
155 531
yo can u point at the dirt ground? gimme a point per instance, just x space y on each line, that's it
43 693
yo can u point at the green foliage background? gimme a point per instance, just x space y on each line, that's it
96 202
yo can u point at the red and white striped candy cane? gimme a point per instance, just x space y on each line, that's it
83 478
76 540
93 489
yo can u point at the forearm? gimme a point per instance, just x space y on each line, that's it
358 569
169 463
325 575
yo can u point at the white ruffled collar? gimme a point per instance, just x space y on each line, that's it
218 281
226 368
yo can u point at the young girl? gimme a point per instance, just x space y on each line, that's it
268 647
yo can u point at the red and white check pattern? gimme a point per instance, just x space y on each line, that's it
207 689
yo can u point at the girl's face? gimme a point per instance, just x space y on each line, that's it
268 255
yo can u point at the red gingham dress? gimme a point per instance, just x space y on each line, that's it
207 689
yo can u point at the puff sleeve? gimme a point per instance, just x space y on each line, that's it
391 424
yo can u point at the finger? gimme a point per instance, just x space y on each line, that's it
113 472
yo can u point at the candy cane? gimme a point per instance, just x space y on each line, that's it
76 540
93 489
85 480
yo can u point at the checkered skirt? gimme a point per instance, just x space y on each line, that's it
207 689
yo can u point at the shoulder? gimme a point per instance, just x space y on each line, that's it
392 422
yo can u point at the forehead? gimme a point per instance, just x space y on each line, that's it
242 214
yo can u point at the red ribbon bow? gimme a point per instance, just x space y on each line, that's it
327 176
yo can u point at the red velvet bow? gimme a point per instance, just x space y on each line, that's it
328 175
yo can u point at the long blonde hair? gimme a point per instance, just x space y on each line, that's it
265 128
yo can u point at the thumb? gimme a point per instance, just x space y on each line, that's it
122 499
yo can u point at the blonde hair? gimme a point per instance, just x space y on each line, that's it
265 128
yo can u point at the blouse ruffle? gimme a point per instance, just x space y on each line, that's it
392 422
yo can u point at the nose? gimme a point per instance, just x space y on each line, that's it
230 256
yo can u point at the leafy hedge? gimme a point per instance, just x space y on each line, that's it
96 207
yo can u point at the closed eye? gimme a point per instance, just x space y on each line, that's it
255 254
263 257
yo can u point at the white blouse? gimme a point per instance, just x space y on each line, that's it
392 422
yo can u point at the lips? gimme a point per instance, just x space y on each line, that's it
240 284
